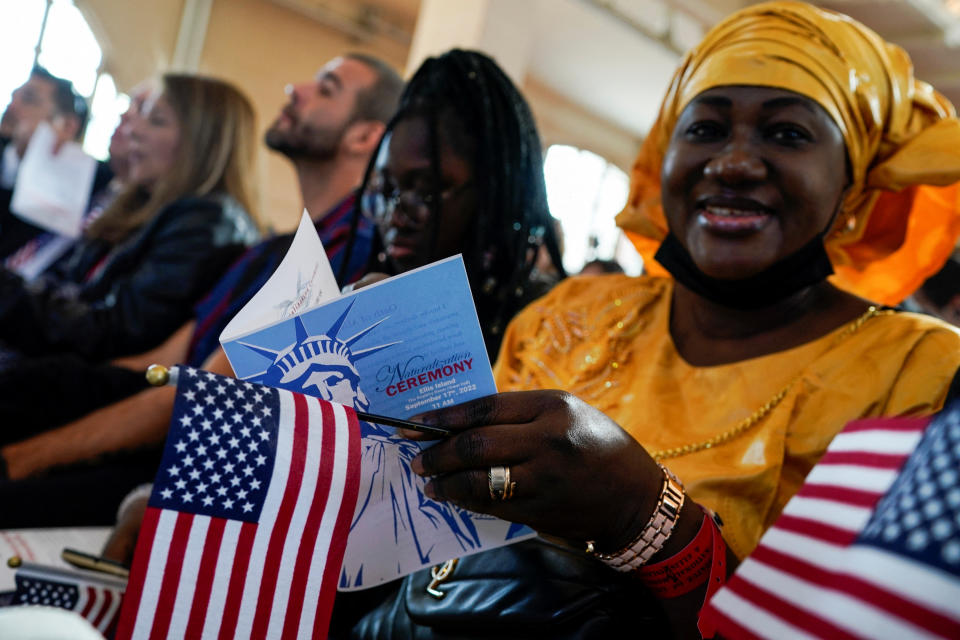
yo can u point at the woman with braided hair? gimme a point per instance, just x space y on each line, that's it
460 170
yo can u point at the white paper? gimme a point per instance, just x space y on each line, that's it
52 190
43 546
303 280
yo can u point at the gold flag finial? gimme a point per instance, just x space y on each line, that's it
14 561
158 375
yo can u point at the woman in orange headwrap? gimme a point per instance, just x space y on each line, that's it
793 145
899 221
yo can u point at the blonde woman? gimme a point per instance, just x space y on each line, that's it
185 215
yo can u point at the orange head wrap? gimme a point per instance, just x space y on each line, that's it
901 217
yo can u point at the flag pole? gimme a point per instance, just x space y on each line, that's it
159 376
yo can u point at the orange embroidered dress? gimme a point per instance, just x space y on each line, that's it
607 340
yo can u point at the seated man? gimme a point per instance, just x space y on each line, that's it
45 250
329 130
42 98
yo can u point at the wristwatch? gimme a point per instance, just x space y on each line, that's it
655 534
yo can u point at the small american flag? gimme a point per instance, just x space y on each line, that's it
246 526
96 599
868 548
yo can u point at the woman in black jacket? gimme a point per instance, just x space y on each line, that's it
166 239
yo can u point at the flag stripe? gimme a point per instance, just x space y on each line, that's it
864 459
138 573
301 535
322 496
238 576
855 497
839 608
171 575
351 479
727 607
188 577
886 424
788 613
281 524
828 512
853 477
320 558
85 604
284 606
110 620
268 515
877 441
813 528
114 617
96 595
855 587
159 553
221 579
100 622
205 574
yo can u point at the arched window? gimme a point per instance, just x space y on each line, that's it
55 35
585 193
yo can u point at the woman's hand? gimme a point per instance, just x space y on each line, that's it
578 474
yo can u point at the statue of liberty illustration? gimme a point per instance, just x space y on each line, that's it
391 505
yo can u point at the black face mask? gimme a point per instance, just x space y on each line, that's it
808 266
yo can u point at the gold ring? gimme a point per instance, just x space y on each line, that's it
499 484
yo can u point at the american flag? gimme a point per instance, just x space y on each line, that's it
246 526
95 598
868 548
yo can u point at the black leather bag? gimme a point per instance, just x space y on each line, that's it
533 589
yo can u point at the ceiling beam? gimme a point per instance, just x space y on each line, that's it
364 21
936 11
192 34
705 13
664 39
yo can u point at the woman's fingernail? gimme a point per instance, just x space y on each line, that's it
430 491
416 465
425 418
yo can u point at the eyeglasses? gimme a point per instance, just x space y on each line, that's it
415 205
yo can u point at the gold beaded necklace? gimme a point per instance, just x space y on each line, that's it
758 415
